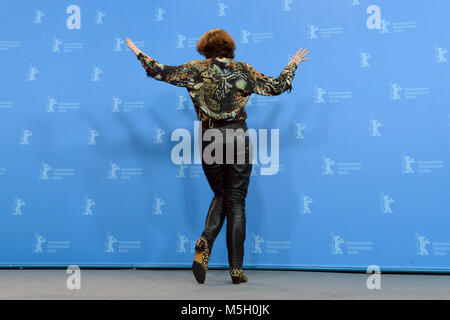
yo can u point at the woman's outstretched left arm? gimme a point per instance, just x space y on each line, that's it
185 75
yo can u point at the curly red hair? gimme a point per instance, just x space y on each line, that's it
216 43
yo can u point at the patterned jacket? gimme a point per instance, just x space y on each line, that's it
220 87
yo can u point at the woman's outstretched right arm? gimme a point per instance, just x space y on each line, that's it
271 86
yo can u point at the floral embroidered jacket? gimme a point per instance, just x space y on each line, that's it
219 87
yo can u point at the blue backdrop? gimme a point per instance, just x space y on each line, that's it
86 175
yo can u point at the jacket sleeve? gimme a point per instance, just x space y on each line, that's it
270 86
185 75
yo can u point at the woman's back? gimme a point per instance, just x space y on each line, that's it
220 87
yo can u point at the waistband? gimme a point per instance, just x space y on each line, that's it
212 123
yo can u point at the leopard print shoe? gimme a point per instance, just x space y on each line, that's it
200 264
238 276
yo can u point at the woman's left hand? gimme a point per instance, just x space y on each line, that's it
132 47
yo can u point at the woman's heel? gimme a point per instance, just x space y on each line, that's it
201 258
238 276
236 280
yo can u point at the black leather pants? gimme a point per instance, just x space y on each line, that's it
229 182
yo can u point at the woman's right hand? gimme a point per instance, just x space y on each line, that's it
132 46
300 56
